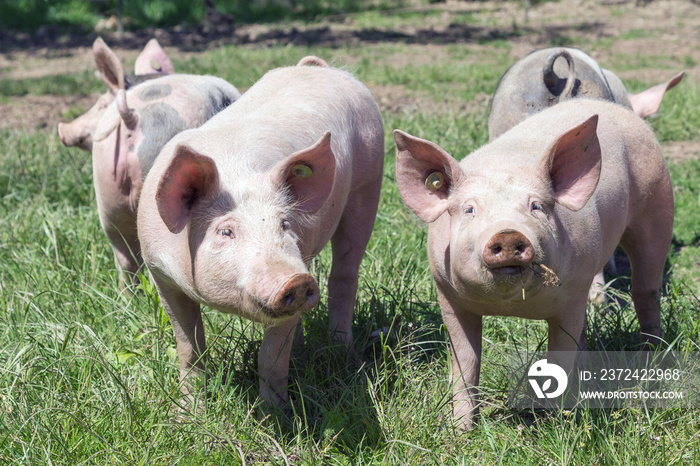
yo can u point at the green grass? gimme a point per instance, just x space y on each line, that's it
88 374
66 84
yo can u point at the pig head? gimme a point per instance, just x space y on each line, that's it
129 137
152 62
548 76
233 212
521 226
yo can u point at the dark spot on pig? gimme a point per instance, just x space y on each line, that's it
219 99
159 123
155 91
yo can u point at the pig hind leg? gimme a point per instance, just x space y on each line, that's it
647 245
127 253
348 244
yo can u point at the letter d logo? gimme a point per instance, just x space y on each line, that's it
545 371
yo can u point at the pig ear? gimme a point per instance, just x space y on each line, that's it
309 174
648 102
108 65
425 174
191 180
573 164
153 60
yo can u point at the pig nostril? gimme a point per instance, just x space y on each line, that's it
289 298
300 292
508 249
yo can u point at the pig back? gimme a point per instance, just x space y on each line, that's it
299 104
288 110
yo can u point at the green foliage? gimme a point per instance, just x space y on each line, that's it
29 15
82 15
275 10
147 13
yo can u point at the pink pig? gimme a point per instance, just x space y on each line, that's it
129 137
233 212
151 63
559 191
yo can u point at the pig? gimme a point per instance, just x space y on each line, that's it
232 213
540 80
546 203
523 91
129 137
151 63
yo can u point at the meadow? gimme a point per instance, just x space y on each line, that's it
89 374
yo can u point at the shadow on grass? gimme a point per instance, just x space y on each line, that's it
202 37
332 389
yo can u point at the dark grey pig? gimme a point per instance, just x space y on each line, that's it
548 76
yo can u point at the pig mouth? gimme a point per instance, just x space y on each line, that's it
277 316
541 271
508 271
297 294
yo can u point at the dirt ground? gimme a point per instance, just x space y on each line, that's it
675 25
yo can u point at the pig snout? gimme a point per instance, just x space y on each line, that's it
298 293
71 135
506 249
64 136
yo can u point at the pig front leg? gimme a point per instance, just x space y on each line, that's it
188 327
464 331
273 363
565 331
348 244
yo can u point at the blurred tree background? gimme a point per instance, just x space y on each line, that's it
83 15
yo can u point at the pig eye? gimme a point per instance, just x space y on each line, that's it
285 225
469 210
536 206
226 232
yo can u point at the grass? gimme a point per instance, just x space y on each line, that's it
88 374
